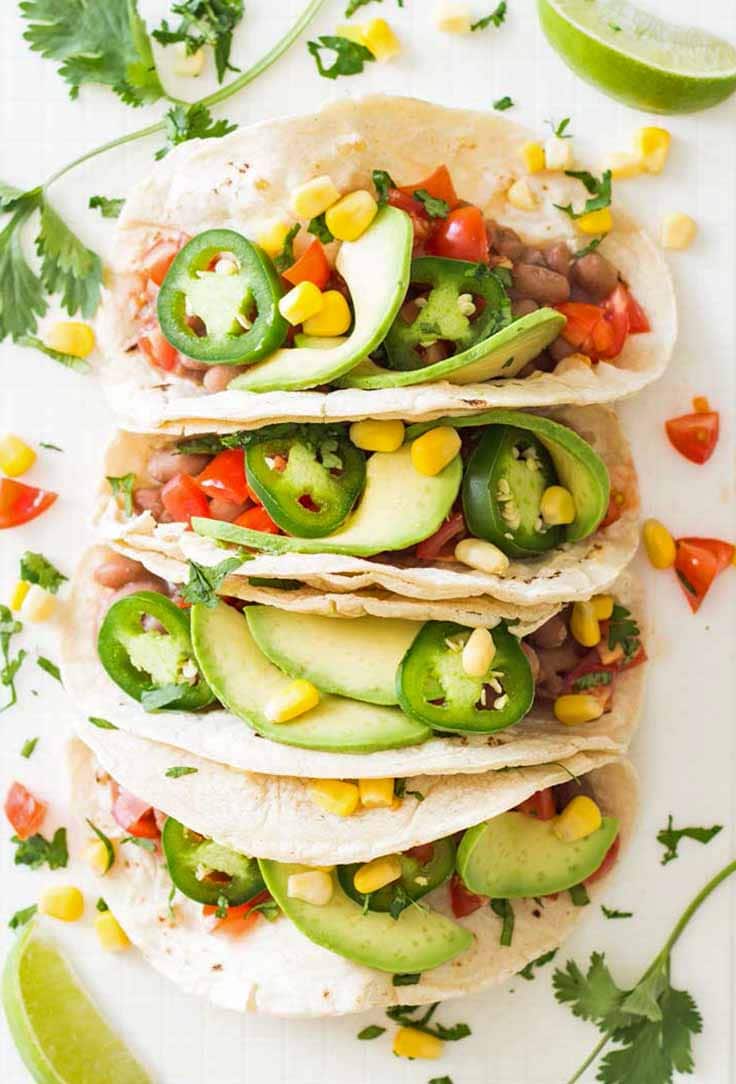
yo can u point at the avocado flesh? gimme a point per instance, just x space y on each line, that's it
417 941
516 856
354 657
399 508
501 355
376 269
244 680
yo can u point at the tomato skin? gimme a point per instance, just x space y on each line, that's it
224 476
540 805
159 259
600 331
607 863
460 236
312 266
24 811
158 349
430 548
416 212
638 319
240 919
462 900
698 562
694 435
257 519
616 503
20 503
182 498
134 816
438 184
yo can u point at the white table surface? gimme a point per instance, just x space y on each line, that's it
685 749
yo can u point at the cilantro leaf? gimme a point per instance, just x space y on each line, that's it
406 980
178 771
51 447
49 666
10 196
592 680
611 912
528 971
382 182
600 192
101 906
21 291
318 226
623 629
36 851
593 996
505 911
68 267
285 258
560 130
350 56
579 896
137 841
21 918
671 837
185 122
371 1032
586 249
107 843
101 724
122 486
29 748
435 208
9 664
108 208
502 104
496 18
205 22
35 568
161 697
406 1016
268 908
203 581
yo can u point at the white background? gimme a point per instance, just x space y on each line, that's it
685 750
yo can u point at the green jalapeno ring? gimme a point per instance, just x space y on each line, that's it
417 879
206 871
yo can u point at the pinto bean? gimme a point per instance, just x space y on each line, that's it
508 243
523 307
552 633
218 377
558 258
117 570
227 510
596 275
561 348
533 256
533 659
192 365
164 465
539 283
148 499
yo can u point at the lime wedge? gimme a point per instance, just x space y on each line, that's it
58 1032
638 58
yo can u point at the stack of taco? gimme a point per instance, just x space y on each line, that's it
359 656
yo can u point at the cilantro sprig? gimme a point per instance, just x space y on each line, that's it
406 1016
350 57
185 122
9 664
37 851
35 568
671 837
496 18
204 22
203 581
599 189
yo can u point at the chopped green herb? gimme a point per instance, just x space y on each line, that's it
406 1016
560 130
29 748
406 980
204 581
185 122
178 771
69 360
592 680
50 447
600 192
268 908
502 104
223 907
587 249
440 1080
108 208
371 1032
35 568
579 895
623 629
285 258
318 226
496 18
109 849
101 906
161 697
528 971
615 27
205 22
101 724
49 666
350 56
138 841
22 918
382 182
670 838
610 912
9 664
505 911
435 208
122 486
38 851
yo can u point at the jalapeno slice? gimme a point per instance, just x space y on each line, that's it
219 301
142 660
502 492
307 476
423 869
432 685
205 871
446 313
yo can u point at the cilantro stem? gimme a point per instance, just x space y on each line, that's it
591 1058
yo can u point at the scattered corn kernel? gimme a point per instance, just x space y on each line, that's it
533 157
596 221
186 63
350 217
334 318
273 237
580 818
381 40
602 606
110 933
659 544
353 32
18 596
521 196
653 146
377 874
410 1043
435 449
558 153
573 709
452 18
623 164
71 337
16 457
376 793
678 231
314 197
39 604
557 506
335 796
701 405
478 653
295 699
96 856
301 303
377 436
64 902
313 886
584 624
483 556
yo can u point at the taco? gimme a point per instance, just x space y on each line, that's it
433 276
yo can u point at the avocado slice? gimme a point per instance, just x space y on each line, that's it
579 467
355 657
399 508
501 355
516 856
244 681
376 270
416 941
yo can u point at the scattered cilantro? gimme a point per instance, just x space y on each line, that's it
560 130
615 27
185 122
623 629
161 696
80 365
592 680
587 249
268 908
223 907
205 22
29 748
101 724
122 487
178 771
600 192
285 258
579 895
68 268
50 447
496 18
137 841
528 971
440 1080
435 208
406 980
109 849
9 664
21 918
37 851
350 56
405 1015
108 208
208 444
670 838
203 581
318 226
382 182
371 1032
35 568
502 104
355 5
611 912
49 666
505 911
101 906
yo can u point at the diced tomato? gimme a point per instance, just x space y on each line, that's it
698 562
159 259
638 319
694 435
541 805
312 266
462 900
460 236
182 498
134 816
431 548
257 519
616 504
20 503
158 349
438 184
419 218
24 811
240 919
608 862
594 330
423 853
224 476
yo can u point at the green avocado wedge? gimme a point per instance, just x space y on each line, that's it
417 941
376 270
501 355
579 467
399 508
244 681
354 657
517 856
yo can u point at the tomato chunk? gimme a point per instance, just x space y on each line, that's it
158 350
431 548
240 919
460 236
694 435
438 184
698 562
541 805
312 266
159 259
24 811
462 900
182 498
607 863
134 816
257 519
594 330
224 476
20 503
423 853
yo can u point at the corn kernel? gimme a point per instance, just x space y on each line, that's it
533 157
293 700
701 405
64 902
381 40
301 303
334 318
452 18
273 237
377 436
186 63
580 818
71 337
434 450
314 197
678 231
622 165
481 555
313 886
335 796
659 544
110 933
573 709
15 456
557 506
653 146
376 793
96 856
410 1043
377 874
602 606
596 221
521 196
18 596
353 32
558 153
348 219
478 653
584 624
39 604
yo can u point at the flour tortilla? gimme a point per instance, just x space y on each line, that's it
572 571
246 179
276 970
224 738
